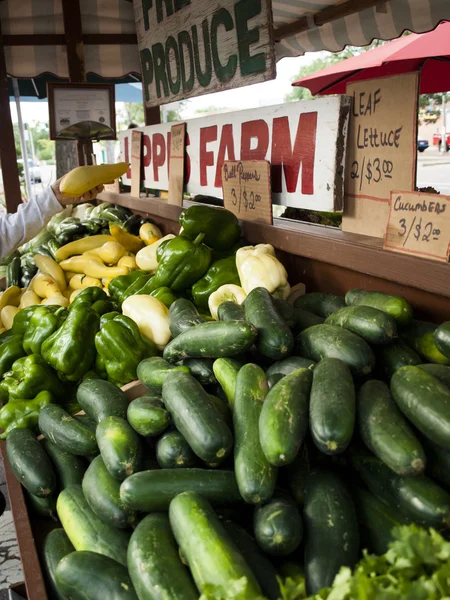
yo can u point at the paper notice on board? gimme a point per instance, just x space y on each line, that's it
247 190
382 150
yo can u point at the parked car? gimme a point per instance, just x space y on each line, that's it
422 145
437 140
34 169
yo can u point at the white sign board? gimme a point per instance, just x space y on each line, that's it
304 142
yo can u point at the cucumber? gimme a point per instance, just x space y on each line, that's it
261 566
173 452
305 319
322 305
45 507
87 421
151 491
417 498
442 339
441 372
216 339
285 311
69 468
396 306
278 527
196 417
296 474
154 563
255 476
396 355
438 463
85 530
213 557
385 431
330 341
152 372
182 316
102 493
284 417
100 399
226 371
231 311
89 575
425 401
332 537
120 447
371 324
275 339
332 406
223 407
148 416
201 369
286 366
420 336
29 463
56 546
66 432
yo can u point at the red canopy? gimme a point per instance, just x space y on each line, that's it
428 53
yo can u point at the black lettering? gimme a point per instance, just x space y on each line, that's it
355 114
171 44
391 138
160 70
361 104
147 71
243 12
224 72
431 207
366 137
146 6
184 41
397 203
397 137
204 78
159 9
358 142
369 106
376 99
179 4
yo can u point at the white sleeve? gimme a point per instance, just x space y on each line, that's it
30 218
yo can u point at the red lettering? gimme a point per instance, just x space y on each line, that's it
251 130
226 147
187 160
126 148
169 152
159 153
207 135
289 160
147 150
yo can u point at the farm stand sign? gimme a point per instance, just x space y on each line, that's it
303 141
193 47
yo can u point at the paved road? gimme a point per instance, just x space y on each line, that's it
433 168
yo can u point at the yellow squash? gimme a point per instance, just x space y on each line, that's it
82 179
45 286
149 233
79 282
48 266
92 266
7 315
58 300
129 242
29 298
82 245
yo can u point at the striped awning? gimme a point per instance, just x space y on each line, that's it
387 20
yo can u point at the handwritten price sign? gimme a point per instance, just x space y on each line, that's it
419 224
247 190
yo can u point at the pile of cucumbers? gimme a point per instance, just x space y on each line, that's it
277 437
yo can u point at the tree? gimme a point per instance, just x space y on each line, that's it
130 112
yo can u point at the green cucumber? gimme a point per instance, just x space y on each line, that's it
66 432
296 474
56 546
100 399
330 341
420 335
371 324
438 462
417 498
442 339
230 311
182 316
284 417
425 401
151 491
385 431
154 563
29 463
332 406
85 530
86 421
213 558
441 372
278 527
148 416
332 537
223 407
255 476
45 507
226 371
102 493
68 467
196 417
173 452
120 447
275 339
396 306
285 311
216 339
322 305
305 319
396 355
152 372
201 369
286 366
89 575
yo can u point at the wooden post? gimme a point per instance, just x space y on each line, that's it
8 156
152 115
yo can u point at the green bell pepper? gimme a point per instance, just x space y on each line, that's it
108 317
23 413
6 336
29 376
96 298
120 284
220 226
137 286
42 324
10 351
183 263
70 350
165 295
22 319
220 273
120 349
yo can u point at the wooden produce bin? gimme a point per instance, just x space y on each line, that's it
323 258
